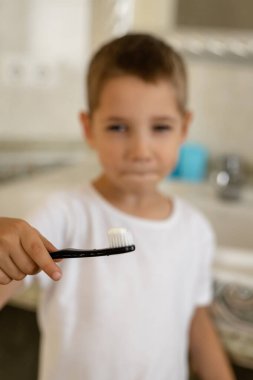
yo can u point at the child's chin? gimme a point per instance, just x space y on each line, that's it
145 177
141 181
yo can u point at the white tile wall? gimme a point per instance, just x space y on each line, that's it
44 112
44 49
221 98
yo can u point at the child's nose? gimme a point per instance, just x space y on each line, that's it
140 148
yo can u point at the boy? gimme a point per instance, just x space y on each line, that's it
133 316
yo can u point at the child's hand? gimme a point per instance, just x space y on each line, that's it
23 250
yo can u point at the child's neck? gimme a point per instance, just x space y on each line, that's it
149 204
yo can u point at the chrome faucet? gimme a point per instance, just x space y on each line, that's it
230 177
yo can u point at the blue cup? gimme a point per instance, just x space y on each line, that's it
192 163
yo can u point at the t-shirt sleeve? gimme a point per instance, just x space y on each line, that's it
204 277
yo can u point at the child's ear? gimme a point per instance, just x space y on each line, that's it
85 121
187 119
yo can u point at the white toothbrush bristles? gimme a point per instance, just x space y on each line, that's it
119 237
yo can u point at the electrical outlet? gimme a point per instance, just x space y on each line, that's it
14 71
42 74
25 71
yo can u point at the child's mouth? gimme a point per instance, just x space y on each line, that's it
141 174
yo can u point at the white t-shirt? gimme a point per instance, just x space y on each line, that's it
121 317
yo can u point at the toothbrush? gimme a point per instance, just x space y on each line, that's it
120 241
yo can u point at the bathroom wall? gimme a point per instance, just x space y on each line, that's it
44 49
221 90
221 99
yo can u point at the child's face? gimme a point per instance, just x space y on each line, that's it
137 130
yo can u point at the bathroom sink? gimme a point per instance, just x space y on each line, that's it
232 221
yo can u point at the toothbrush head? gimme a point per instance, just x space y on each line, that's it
119 237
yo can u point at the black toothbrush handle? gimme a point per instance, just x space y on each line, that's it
70 253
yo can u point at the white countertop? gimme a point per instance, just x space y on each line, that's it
19 196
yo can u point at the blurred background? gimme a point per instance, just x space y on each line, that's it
45 46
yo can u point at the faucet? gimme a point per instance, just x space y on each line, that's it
230 177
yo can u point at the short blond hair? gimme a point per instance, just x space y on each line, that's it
142 55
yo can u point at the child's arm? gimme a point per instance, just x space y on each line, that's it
23 250
207 356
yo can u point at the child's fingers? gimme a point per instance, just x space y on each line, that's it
4 279
49 246
8 269
33 245
11 269
24 263
24 251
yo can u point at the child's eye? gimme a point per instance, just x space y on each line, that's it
161 128
117 128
